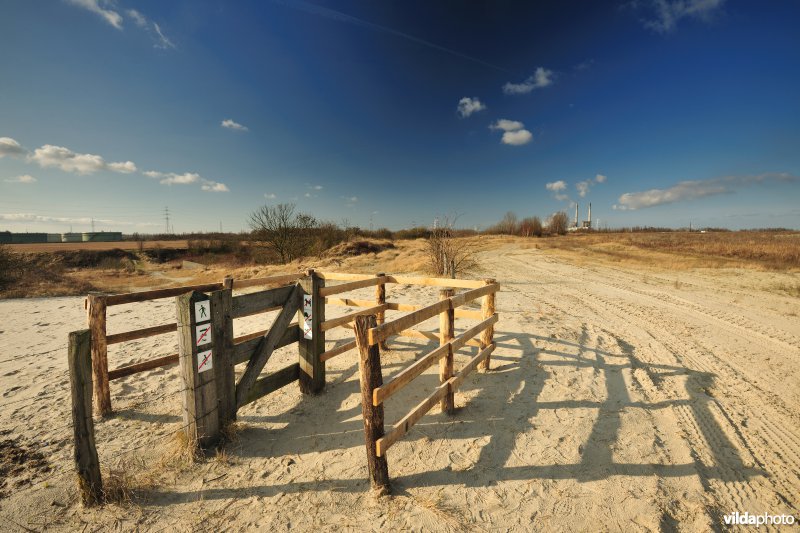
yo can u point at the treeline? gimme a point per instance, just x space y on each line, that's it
511 224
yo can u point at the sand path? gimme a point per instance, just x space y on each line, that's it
620 399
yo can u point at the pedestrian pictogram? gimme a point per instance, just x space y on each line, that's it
202 312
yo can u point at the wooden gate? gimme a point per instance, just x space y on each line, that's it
212 393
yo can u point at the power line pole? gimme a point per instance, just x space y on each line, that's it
166 219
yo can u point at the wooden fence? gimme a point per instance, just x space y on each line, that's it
97 309
372 330
208 352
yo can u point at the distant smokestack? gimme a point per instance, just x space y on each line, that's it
590 214
576 214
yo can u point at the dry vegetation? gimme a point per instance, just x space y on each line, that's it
674 250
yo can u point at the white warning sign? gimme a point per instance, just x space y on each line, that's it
202 311
204 361
307 318
202 334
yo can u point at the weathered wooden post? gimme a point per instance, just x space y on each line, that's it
371 378
487 337
380 299
222 342
311 315
197 356
446 327
227 282
97 326
90 483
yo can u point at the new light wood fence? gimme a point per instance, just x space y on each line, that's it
372 331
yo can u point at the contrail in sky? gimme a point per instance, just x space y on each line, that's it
342 17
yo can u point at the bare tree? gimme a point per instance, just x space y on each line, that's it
509 224
558 223
449 255
536 229
286 232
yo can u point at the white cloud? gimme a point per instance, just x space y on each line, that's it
514 134
162 41
138 19
517 138
540 79
556 187
585 185
25 178
69 161
692 189
468 106
213 186
317 187
507 125
233 125
187 178
270 196
109 15
9 146
32 217
307 195
667 13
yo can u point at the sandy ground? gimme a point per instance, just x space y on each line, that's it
620 399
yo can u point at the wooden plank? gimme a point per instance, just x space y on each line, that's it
333 352
466 297
245 345
344 319
143 296
79 359
349 303
446 327
312 368
135 368
465 336
487 338
404 322
260 302
467 313
416 334
267 345
460 313
459 378
201 416
405 424
397 306
273 382
371 378
141 333
407 375
222 344
351 286
435 282
269 280
97 326
342 276
380 300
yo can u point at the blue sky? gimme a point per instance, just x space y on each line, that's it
659 112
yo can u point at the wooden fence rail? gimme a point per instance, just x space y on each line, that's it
97 306
212 394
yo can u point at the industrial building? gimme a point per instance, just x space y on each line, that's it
6 237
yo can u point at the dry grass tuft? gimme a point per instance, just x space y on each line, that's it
126 484
182 451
